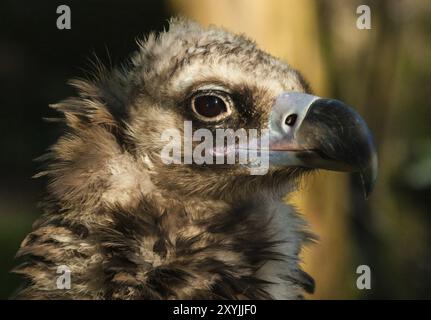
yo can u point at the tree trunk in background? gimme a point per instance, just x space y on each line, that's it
289 30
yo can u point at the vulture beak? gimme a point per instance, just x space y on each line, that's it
312 132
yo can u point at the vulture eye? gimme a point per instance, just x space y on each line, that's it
291 119
211 106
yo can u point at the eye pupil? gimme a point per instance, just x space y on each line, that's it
209 106
291 119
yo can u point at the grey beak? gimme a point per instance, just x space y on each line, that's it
312 132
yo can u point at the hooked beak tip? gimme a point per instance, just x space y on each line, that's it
369 176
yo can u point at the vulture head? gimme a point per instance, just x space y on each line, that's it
133 214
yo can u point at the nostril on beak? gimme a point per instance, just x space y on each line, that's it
291 119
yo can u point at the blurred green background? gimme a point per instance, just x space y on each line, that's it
384 72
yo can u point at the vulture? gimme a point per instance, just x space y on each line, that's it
127 224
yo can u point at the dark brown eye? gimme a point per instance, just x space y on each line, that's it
210 107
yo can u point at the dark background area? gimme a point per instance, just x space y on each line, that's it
384 72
